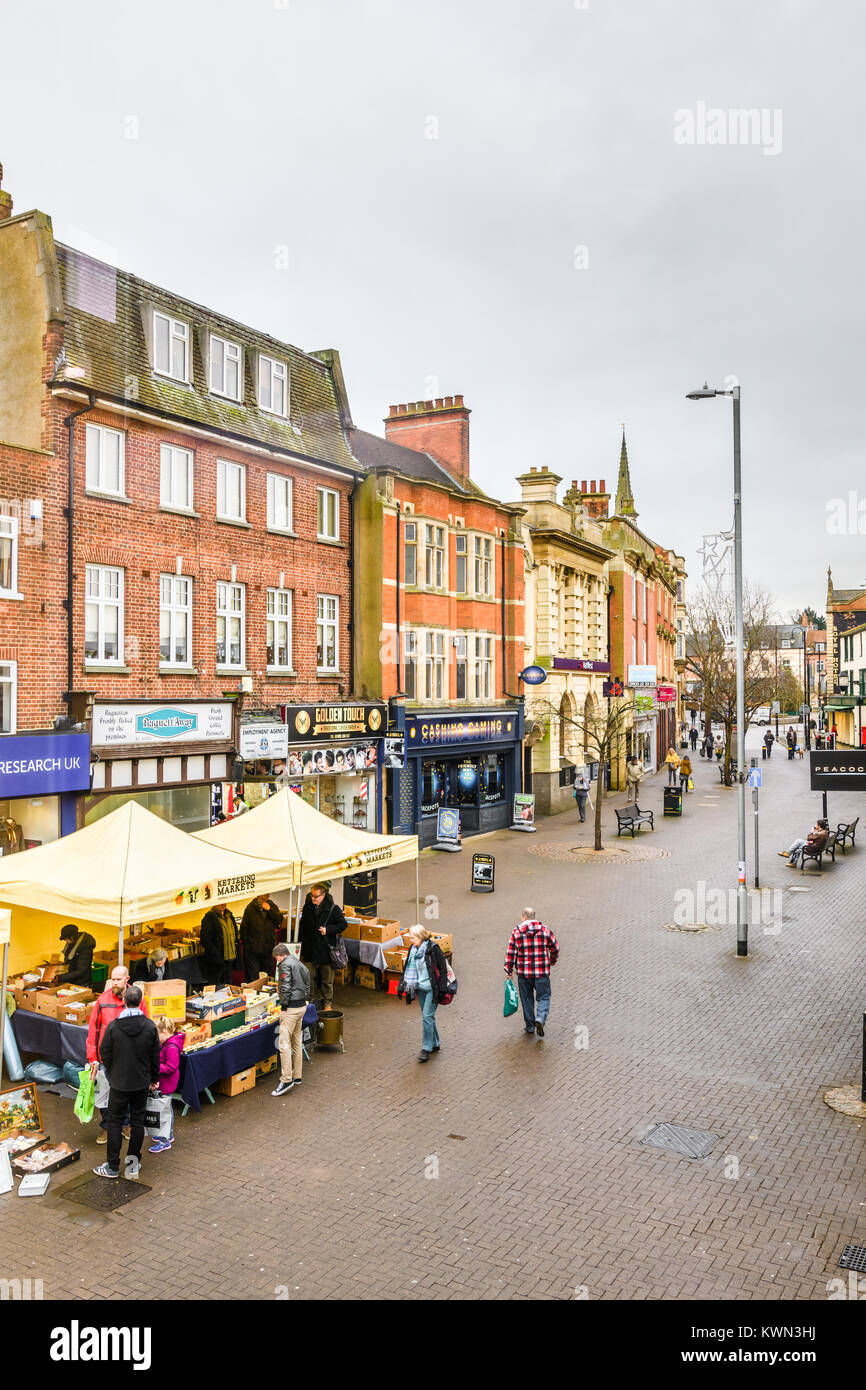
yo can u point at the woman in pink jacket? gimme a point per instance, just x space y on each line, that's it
170 1048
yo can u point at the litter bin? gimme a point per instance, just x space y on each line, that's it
673 801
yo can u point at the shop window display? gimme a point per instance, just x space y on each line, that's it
187 808
27 822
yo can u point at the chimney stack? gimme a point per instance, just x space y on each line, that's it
5 201
538 485
439 427
596 500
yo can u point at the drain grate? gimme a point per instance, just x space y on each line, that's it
679 1139
104 1194
854 1257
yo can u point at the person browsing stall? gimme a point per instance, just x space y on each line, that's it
77 956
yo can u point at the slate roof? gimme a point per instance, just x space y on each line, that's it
376 453
105 335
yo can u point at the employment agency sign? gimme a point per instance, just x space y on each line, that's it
44 764
172 722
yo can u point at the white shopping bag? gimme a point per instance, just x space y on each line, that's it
101 1088
157 1116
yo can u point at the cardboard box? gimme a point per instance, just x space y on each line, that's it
345 977
25 998
365 976
195 1033
380 930
396 959
166 998
107 957
78 1011
47 1002
227 1022
237 1084
443 940
352 930
211 1003
25 1164
269 1064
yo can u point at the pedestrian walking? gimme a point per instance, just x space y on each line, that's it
769 740
685 772
130 1054
259 935
532 950
693 738
633 777
708 746
791 740
719 747
321 923
170 1048
672 763
581 792
294 990
425 974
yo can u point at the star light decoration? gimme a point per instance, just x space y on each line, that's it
716 554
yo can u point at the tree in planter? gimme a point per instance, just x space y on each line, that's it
711 658
602 727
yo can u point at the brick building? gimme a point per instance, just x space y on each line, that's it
439 600
842 704
209 579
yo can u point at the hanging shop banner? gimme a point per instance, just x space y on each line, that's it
838 771
263 741
642 675
431 733
612 689
312 723
579 663
524 809
483 869
341 761
150 723
666 694
644 703
448 825
44 764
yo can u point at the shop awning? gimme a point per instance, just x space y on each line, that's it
307 844
132 867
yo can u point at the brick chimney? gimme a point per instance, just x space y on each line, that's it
5 201
538 485
439 427
595 499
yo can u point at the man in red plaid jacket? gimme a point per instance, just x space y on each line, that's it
532 949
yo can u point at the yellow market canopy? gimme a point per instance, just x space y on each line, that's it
131 867
307 843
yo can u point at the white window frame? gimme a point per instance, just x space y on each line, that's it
482 566
103 602
434 664
276 619
322 509
223 465
178 334
410 546
9 676
170 455
223 353
227 612
174 606
95 437
274 372
410 663
323 622
279 483
482 676
435 556
10 531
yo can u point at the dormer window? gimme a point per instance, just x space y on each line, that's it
273 386
225 368
171 347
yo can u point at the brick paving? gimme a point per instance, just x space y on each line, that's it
547 1194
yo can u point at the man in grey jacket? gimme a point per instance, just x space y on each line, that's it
293 987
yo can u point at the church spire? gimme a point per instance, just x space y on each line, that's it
624 498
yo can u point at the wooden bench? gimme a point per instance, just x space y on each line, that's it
631 817
844 831
808 852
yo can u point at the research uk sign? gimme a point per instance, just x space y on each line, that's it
44 764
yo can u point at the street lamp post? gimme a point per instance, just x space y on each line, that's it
704 393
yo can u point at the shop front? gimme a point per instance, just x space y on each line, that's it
171 758
40 777
470 763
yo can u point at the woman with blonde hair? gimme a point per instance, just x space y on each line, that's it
425 974
170 1048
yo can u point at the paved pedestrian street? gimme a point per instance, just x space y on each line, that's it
510 1167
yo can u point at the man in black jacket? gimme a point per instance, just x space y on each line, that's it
322 921
258 935
130 1055
77 956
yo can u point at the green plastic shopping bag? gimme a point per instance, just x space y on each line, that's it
84 1099
511 1000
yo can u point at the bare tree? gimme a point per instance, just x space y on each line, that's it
711 658
602 728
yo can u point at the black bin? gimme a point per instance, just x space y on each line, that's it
361 893
673 802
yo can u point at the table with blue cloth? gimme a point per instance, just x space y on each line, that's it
48 1037
370 952
200 1069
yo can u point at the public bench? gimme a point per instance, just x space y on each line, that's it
631 817
844 831
809 852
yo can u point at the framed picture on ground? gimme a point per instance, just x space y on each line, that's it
19 1109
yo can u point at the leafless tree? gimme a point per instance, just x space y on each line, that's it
602 728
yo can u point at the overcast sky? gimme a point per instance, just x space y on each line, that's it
488 197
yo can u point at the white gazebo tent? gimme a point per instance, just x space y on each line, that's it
309 845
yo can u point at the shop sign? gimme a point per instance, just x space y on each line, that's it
483 870
218 890
192 722
642 675
524 809
394 752
644 703
339 762
533 675
666 694
838 770
44 764
431 733
263 741
448 825
309 723
366 858
570 663
612 689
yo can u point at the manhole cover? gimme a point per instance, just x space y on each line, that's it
691 926
105 1194
679 1139
854 1257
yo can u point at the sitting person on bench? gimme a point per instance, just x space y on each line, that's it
817 840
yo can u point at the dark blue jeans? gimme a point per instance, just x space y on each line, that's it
534 994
